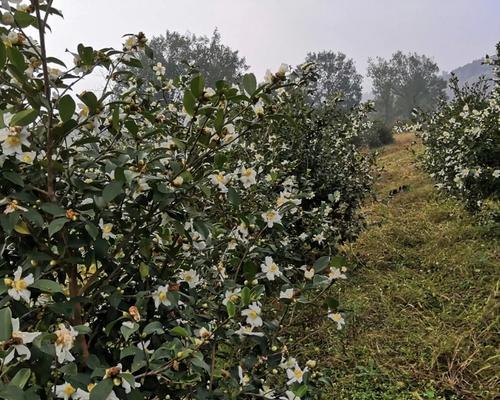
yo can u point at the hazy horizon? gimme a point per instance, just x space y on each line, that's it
268 33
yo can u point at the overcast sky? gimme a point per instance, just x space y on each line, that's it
269 32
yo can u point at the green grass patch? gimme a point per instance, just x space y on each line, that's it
422 297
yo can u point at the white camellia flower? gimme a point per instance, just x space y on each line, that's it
247 177
338 318
19 340
26 157
208 92
106 230
130 43
159 69
253 315
295 374
270 268
13 139
287 294
220 180
258 108
54 73
271 217
290 396
231 296
19 285
65 339
309 273
191 277
268 77
496 173
247 330
160 296
288 363
67 391
319 238
282 70
336 273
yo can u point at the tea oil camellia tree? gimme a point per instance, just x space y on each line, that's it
462 141
158 249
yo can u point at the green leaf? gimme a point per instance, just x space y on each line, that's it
53 209
24 117
23 19
34 217
127 332
8 221
21 377
202 228
230 309
338 261
56 225
153 327
233 197
321 263
47 286
144 270
245 296
332 303
102 390
219 160
115 121
16 58
189 102
67 107
90 101
112 190
249 83
82 329
14 177
3 54
179 331
301 390
11 392
5 324
92 230
197 86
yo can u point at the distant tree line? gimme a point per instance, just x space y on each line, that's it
400 84
403 83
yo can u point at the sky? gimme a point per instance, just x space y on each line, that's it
269 32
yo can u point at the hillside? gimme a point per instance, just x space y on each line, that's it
420 299
470 73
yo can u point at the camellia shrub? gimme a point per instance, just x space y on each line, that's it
156 242
462 142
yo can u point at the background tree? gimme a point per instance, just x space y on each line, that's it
336 73
382 75
405 82
176 51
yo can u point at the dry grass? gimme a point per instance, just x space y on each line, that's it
422 299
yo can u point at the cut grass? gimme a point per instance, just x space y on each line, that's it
422 298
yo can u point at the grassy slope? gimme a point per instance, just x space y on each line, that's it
423 295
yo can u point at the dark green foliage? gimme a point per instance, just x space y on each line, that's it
378 135
337 75
405 82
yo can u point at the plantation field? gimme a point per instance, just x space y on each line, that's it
422 298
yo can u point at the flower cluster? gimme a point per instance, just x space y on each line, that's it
462 142
158 237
